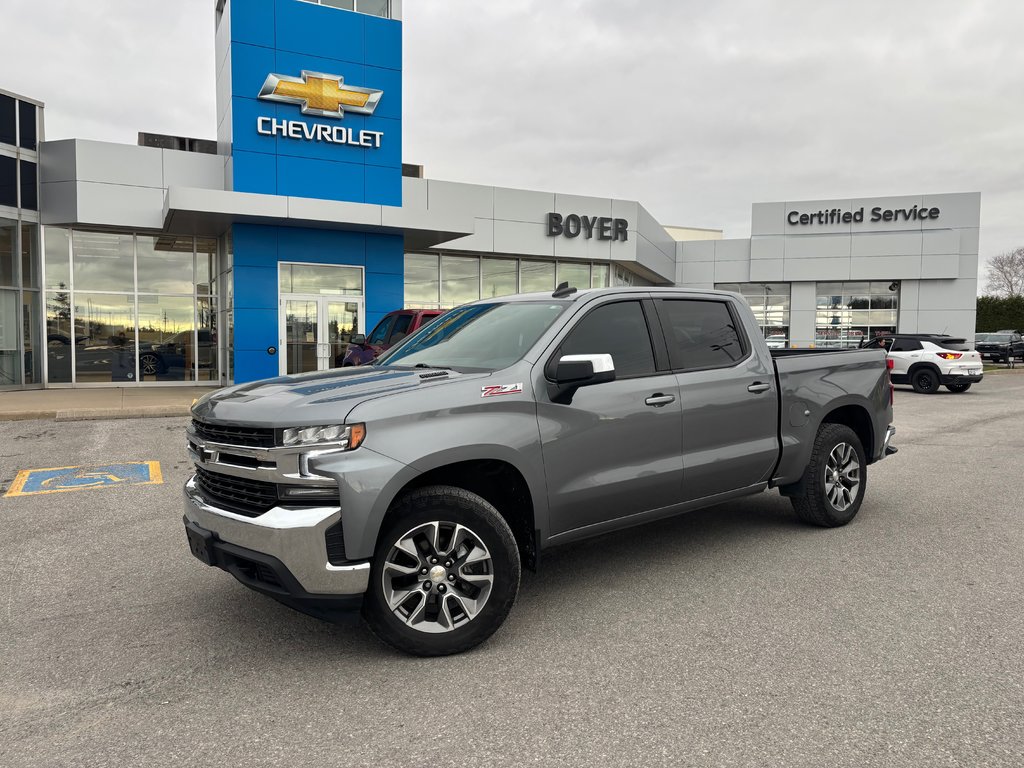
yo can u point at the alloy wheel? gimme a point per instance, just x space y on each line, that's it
842 476
437 577
149 365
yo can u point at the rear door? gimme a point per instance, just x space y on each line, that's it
728 393
904 353
616 449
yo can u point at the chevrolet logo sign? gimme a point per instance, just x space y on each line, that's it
320 94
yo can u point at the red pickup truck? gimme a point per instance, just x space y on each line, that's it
392 328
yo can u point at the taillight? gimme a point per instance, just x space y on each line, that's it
890 363
949 355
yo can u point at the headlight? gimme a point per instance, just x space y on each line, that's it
348 437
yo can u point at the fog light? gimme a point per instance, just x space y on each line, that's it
307 493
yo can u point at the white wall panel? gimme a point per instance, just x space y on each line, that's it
767 270
818 247
732 271
817 269
57 161
940 241
961 209
698 273
768 219
938 295
940 265
119 205
468 198
192 169
732 250
696 250
516 237
125 164
887 244
523 205
888 268
767 248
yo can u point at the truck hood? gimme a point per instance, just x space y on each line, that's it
324 397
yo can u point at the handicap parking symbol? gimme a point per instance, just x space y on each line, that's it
30 482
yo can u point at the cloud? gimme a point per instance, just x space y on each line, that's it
694 109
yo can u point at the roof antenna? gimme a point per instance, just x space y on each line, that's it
562 291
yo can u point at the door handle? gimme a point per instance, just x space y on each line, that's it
657 400
758 387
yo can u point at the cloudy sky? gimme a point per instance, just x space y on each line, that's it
696 109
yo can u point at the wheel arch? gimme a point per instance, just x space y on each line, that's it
493 477
923 364
857 418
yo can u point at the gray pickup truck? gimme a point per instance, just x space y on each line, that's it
419 486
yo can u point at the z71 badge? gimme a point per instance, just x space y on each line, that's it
493 390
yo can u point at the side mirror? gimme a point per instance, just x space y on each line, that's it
357 339
575 371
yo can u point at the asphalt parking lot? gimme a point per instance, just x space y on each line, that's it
729 637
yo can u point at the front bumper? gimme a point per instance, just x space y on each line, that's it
292 541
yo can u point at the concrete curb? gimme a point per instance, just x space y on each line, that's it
139 412
100 414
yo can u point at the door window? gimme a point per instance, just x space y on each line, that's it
381 331
905 345
701 334
401 329
619 330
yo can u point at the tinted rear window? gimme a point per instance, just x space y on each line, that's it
960 345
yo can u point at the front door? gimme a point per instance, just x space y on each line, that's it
316 330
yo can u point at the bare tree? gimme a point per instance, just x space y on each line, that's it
1006 273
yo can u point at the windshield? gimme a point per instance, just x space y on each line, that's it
478 337
996 337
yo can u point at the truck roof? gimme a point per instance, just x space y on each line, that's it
590 292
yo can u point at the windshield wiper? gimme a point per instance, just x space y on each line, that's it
435 367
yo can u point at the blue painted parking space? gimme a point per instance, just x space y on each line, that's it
30 482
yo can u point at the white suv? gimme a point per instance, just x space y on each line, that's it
926 361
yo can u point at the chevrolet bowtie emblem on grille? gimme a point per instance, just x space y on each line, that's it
320 94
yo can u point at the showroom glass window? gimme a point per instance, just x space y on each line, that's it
443 281
849 313
19 244
770 303
128 308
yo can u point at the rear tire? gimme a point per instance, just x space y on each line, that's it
925 381
960 386
445 573
835 478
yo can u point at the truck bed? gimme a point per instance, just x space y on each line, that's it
811 380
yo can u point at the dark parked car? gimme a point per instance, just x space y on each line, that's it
171 353
394 327
1000 347
110 358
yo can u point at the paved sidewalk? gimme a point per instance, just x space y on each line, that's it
100 403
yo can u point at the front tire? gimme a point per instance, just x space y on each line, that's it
835 478
445 573
959 386
925 381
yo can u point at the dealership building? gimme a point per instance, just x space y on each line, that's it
191 261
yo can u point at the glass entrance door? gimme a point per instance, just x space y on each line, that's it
316 331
